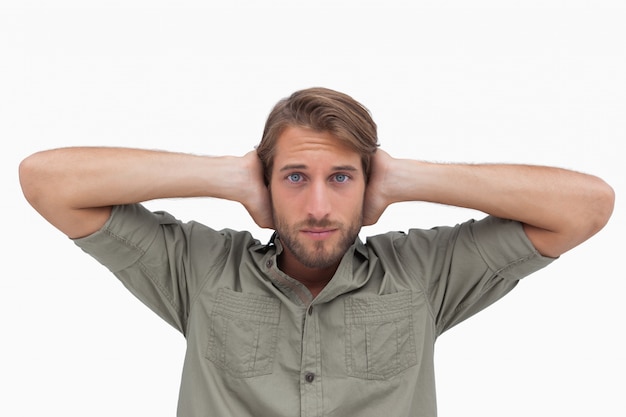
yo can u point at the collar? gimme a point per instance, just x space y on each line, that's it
348 276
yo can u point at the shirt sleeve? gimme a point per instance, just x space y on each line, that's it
464 269
160 259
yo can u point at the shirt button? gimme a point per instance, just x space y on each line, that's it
309 377
310 311
269 263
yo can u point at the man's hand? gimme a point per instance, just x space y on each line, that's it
377 197
257 197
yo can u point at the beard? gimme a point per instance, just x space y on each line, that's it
321 254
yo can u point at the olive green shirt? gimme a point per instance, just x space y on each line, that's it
258 344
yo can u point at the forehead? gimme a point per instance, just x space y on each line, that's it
301 145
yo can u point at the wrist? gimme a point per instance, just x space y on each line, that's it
405 180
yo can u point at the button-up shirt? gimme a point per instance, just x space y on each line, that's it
259 344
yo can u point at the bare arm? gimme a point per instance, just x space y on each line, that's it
559 208
75 188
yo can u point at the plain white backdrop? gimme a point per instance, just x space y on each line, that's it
539 82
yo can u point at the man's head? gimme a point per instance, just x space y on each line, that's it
316 151
321 110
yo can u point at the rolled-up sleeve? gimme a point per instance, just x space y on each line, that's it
124 238
464 269
160 259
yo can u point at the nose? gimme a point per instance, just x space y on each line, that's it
318 201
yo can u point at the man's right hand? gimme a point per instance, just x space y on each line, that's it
256 196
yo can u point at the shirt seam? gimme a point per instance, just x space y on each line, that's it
127 242
158 285
419 283
144 268
193 299
494 273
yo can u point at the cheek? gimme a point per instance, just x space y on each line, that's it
348 205
357 205
282 205
357 196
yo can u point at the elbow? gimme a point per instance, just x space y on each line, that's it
28 172
595 210
35 177
603 205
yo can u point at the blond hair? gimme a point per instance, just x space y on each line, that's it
323 110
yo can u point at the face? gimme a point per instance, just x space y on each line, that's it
317 188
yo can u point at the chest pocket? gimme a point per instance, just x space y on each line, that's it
380 339
243 333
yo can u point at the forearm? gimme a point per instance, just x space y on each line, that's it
560 208
75 185
524 193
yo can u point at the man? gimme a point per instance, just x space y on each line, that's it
314 323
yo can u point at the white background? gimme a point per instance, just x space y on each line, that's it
540 82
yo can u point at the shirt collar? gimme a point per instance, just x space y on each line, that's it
344 279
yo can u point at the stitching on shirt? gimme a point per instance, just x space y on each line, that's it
194 298
391 313
125 241
303 296
469 302
243 333
419 283
162 289
516 262
445 320
145 269
533 254
493 282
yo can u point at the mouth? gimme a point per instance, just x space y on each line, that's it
318 234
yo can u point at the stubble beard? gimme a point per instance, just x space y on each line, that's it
323 254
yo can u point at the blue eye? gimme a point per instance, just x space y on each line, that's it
341 178
295 177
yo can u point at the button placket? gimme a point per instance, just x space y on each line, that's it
311 393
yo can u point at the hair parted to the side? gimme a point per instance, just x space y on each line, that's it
323 110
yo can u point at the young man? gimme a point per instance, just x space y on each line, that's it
315 323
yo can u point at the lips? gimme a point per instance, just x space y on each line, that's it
318 234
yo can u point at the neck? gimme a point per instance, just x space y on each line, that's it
315 279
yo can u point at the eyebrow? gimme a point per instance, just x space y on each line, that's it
303 166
